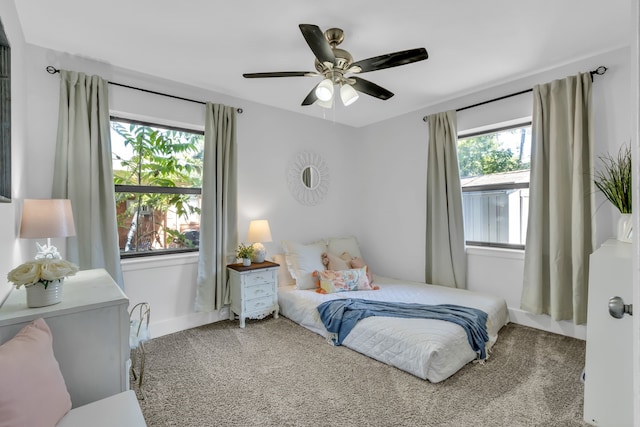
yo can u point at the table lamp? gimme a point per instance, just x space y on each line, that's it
46 219
259 232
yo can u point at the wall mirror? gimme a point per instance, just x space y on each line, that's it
308 178
5 117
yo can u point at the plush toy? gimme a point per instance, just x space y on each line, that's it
333 262
357 262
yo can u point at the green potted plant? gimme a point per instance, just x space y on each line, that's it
614 181
245 252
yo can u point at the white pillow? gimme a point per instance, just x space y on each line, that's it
284 276
303 260
340 245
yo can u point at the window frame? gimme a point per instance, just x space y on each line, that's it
491 187
151 189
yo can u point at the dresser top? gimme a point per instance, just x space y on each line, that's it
87 289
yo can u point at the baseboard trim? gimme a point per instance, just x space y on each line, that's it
192 320
516 315
546 323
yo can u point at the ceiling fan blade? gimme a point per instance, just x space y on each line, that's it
365 86
311 98
318 44
281 74
389 60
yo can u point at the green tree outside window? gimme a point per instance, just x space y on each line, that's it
158 170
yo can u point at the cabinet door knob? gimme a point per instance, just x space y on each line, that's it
617 308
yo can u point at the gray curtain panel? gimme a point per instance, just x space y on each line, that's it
83 172
559 234
446 262
219 212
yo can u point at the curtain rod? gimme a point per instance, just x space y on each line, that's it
599 71
53 70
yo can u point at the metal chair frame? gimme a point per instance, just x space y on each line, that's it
138 354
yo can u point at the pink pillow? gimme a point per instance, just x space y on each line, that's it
356 262
32 389
333 262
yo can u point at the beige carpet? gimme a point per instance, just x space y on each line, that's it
276 373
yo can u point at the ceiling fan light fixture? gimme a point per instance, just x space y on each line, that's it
325 104
348 94
324 91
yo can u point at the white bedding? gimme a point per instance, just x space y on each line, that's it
430 349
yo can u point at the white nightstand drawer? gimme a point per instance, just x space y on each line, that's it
258 277
262 290
258 303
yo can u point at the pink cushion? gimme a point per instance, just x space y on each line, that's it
334 262
343 281
32 389
357 262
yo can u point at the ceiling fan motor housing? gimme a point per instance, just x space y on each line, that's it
335 73
344 59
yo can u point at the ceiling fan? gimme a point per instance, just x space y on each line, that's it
337 67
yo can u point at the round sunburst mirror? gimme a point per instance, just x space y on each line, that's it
308 178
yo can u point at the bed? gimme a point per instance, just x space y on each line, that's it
427 348
430 349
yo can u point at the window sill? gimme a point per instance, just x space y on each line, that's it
159 261
495 252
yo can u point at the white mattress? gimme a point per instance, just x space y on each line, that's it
430 349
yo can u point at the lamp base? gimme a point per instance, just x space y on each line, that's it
259 252
47 251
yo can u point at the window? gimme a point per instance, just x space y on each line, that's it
157 173
494 174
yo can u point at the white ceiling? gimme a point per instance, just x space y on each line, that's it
472 44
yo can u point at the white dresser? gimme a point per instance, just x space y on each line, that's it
608 391
254 290
90 329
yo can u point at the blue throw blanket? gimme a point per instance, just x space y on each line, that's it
340 317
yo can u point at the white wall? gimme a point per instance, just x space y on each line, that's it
377 174
11 248
267 140
393 161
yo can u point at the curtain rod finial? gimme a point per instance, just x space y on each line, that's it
52 70
599 71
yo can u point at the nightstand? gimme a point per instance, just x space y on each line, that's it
254 290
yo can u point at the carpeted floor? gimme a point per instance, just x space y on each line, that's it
276 373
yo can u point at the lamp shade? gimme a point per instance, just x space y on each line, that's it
348 94
47 218
325 104
259 231
324 90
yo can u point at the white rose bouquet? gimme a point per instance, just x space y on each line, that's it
44 271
